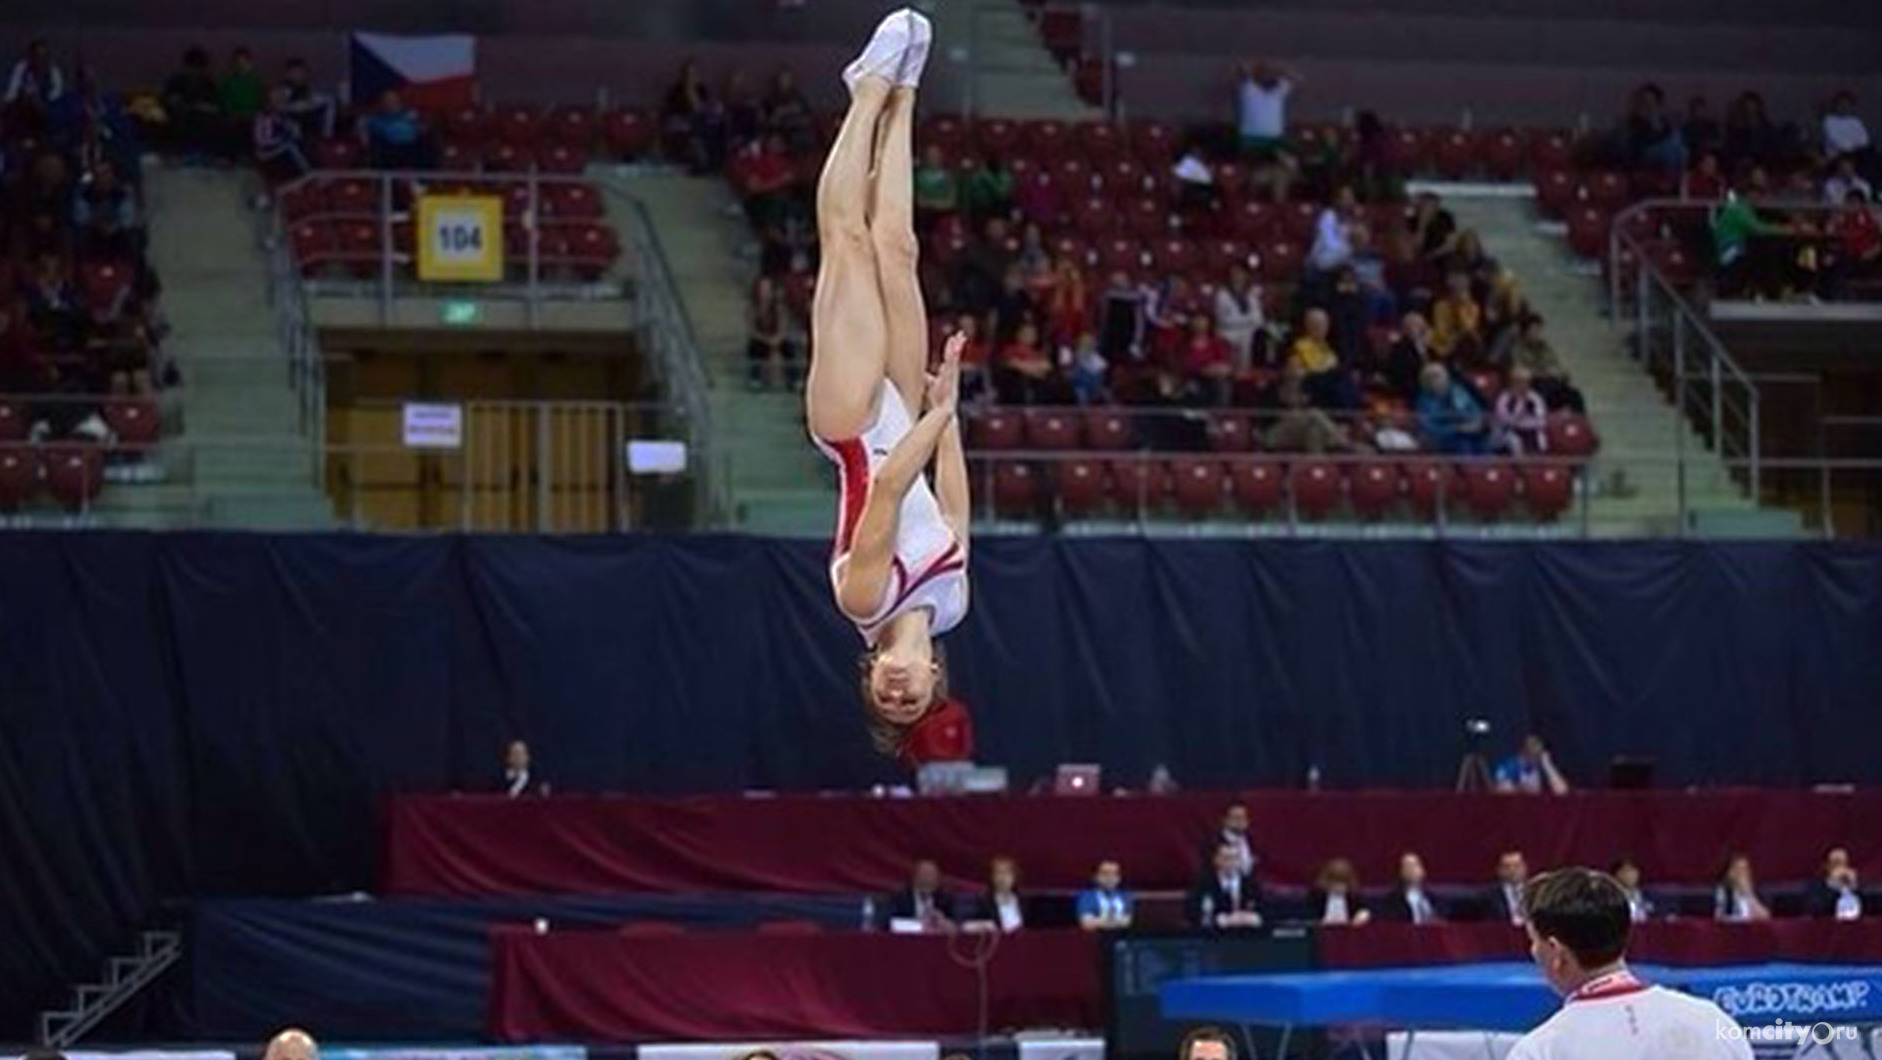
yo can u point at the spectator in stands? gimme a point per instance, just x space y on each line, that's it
1736 897
1169 314
767 178
1653 141
1123 315
1408 902
689 120
1024 373
1349 316
1532 351
242 90
1332 240
1089 370
1261 119
1845 135
981 269
1195 183
395 135
43 208
519 773
291 1044
1015 305
744 118
1327 383
787 112
52 303
1449 415
1066 302
115 349
1369 268
1640 908
1857 249
312 110
1433 228
104 214
1457 321
1833 894
34 86
1374 161
976 383
1530 771
923 900
1227 896
1468 256
22 368
1504 900
1239 317
193 103
1406 358
1843 180
937 192
1106 906
1208 366
1002 906
277 138
1520 420
1700 131
771 356
1038 199
1707 179
988 189
1298 427
1749 263
1334 898
1750 136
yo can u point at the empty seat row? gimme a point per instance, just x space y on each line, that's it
586 248
71 473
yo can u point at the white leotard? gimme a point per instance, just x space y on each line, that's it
930 567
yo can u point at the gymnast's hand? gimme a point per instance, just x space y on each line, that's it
944 385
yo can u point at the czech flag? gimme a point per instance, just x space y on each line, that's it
430 73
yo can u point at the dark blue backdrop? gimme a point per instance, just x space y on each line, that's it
221 713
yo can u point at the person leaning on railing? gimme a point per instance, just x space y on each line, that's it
1750 263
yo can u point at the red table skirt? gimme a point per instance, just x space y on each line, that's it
1696 942
453 845
603 986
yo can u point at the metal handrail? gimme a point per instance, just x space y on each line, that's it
1715 363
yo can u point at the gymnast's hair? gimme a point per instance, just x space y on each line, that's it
1585 910
884 735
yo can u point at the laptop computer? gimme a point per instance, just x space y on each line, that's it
1077 778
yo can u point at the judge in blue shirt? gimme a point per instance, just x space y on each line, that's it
1106 906
1530 771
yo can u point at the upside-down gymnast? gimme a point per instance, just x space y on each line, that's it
899 566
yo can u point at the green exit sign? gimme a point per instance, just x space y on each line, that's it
459 313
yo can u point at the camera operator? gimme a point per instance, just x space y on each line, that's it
1530 771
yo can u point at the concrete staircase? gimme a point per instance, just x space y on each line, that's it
1013 74
241 460
779 485
1636 472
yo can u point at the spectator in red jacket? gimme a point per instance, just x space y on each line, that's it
1024 373
1208 365
1858 248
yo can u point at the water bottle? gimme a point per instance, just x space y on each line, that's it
869 913
1208 910
1313 777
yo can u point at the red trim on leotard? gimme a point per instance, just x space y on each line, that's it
853 460
951 559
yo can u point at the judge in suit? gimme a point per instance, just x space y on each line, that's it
1226 897
1002 908
1334 898
1736 897
519 777
1408 901
1640 908
1234 832
1504 900
1833 894
923 899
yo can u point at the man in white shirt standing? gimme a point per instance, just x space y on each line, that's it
1844 132
1578 926
1261 120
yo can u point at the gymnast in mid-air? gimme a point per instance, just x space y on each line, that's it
899 566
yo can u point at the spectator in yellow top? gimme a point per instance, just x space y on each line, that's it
1457 321
1328 385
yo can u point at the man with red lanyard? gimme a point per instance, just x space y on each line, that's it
1578 922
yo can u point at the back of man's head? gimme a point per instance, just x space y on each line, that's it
292 1044
1584 910
1207 1043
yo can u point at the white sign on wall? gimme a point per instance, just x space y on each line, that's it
434 426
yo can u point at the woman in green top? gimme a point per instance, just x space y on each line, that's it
1745 267
988 190
937 192
242 89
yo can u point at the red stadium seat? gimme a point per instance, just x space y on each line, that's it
359 247
1256 486
944 131
1434 488
505 157
1051 429
1073 248
467 124
1048 137
74 474
1147 218
1108 429
104 285
1455 153
571 124
1414 149
1218 255
1374 488
1137 484
1316 488
1230 432
1123 178
1120 253
1588 231
1548 490
561 159
1570 435
1231 179
1608 190
1196 485
13 425
1488 385
995 431
1281 261
1255 220
1015 489
997 135
1099 139
1175 255
19 476
1073 175
304 200
1154 143
517 123
1503 154
1551 149
1079 485
573 201
354 197
1491 485
593 249
459 157
1555 191
135 422
315 246
1094 218
339 154
1297 221
627 132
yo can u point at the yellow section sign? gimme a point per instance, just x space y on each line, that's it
460 237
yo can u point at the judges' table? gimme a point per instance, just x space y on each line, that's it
454 845
607 986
